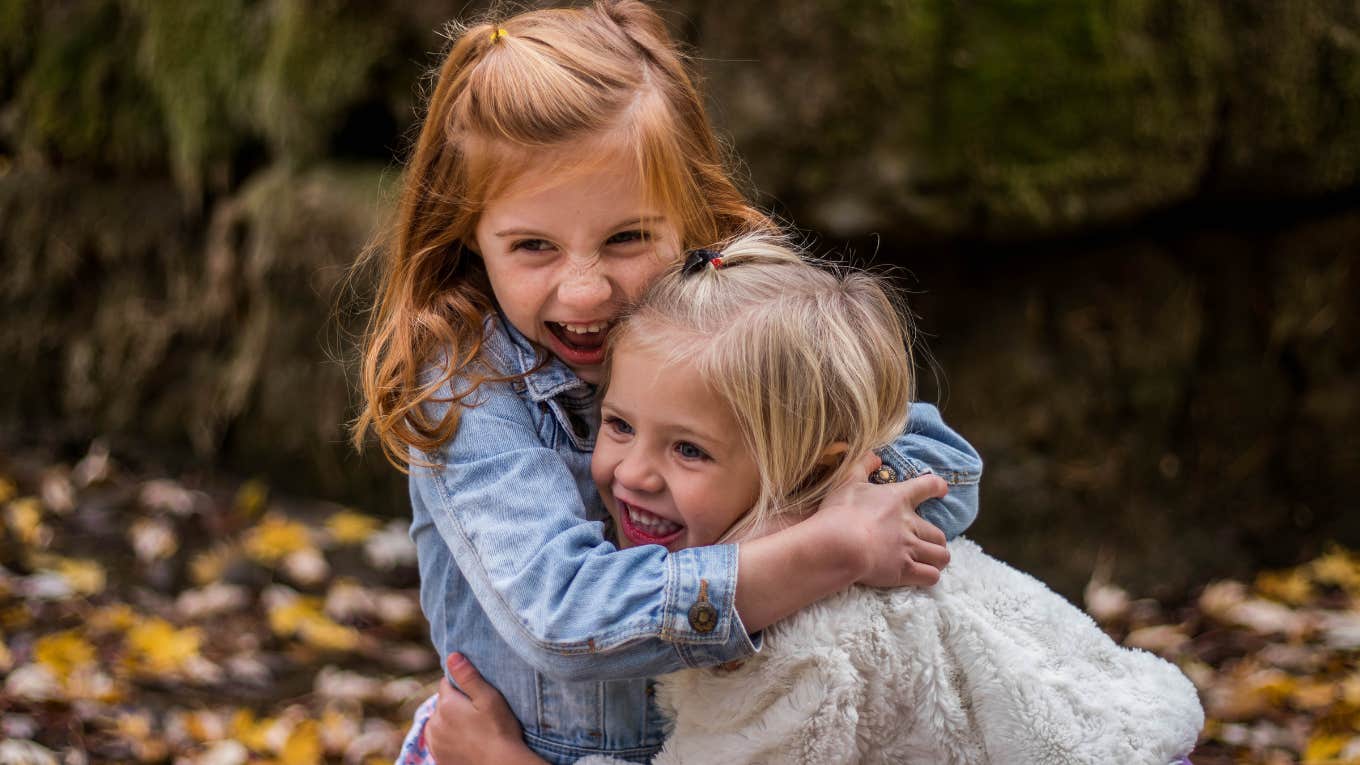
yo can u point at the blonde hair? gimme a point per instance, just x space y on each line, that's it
549 91
806 354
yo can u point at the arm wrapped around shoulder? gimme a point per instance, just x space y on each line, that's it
988 666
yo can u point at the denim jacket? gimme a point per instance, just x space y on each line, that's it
516 572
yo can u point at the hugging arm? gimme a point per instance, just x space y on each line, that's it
929 446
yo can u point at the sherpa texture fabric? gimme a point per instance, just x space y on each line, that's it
988 666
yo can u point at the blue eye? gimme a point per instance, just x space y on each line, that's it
618 426
689 451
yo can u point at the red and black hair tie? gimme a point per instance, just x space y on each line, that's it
695 260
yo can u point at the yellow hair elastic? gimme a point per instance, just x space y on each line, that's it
497 36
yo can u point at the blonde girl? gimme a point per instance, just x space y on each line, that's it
565 160
737 394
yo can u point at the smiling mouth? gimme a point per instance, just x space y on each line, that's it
642 527
580 337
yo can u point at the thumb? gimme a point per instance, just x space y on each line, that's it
469 680
922 488
865 465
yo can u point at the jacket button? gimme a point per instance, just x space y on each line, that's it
884 474
703 617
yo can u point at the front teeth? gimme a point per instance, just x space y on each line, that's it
583 329
650 523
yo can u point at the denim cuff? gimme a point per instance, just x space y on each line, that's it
700 616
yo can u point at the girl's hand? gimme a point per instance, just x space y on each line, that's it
474 725
895 546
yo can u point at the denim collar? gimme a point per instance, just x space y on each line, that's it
552 379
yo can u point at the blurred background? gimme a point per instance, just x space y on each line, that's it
1130 228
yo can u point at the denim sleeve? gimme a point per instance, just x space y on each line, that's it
510 512
930 446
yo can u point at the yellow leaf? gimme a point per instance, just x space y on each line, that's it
159 647
248 732
302 616
1324 747
24 518
349 527
304 745
1337 567
276 537
328 636
209 566
118 617
1292 586
62 652
251 498
6 658
86 577
7 489
285 619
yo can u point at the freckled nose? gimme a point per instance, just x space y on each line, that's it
584 287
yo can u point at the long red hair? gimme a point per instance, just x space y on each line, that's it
604 75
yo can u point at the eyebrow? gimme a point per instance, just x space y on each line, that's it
645 220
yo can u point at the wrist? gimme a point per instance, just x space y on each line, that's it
836 548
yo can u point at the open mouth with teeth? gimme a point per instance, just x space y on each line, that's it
579 344
642 527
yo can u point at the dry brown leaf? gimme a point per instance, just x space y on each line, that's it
1164 639
212 600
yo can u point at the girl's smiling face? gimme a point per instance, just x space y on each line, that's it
564 256
670 462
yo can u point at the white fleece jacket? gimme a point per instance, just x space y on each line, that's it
988 666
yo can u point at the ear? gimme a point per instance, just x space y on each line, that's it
832 455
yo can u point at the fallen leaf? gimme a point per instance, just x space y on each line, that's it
95 467
57 492
391 547
158 647
61 652
23 516
306 566
153 539
209 566
303 746
251 499
274 538
213 600
348 527
1292 587
33 682
166 496
15 752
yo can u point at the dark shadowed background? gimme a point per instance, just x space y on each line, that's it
1131 226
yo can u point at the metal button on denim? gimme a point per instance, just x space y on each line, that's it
703 617
884 474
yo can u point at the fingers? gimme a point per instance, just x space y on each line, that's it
920 575
935 556
922 488
927 531
868 462
470 681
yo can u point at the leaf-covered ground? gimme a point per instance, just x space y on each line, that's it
148 619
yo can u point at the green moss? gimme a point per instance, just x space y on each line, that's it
200 59
317 61
77 99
